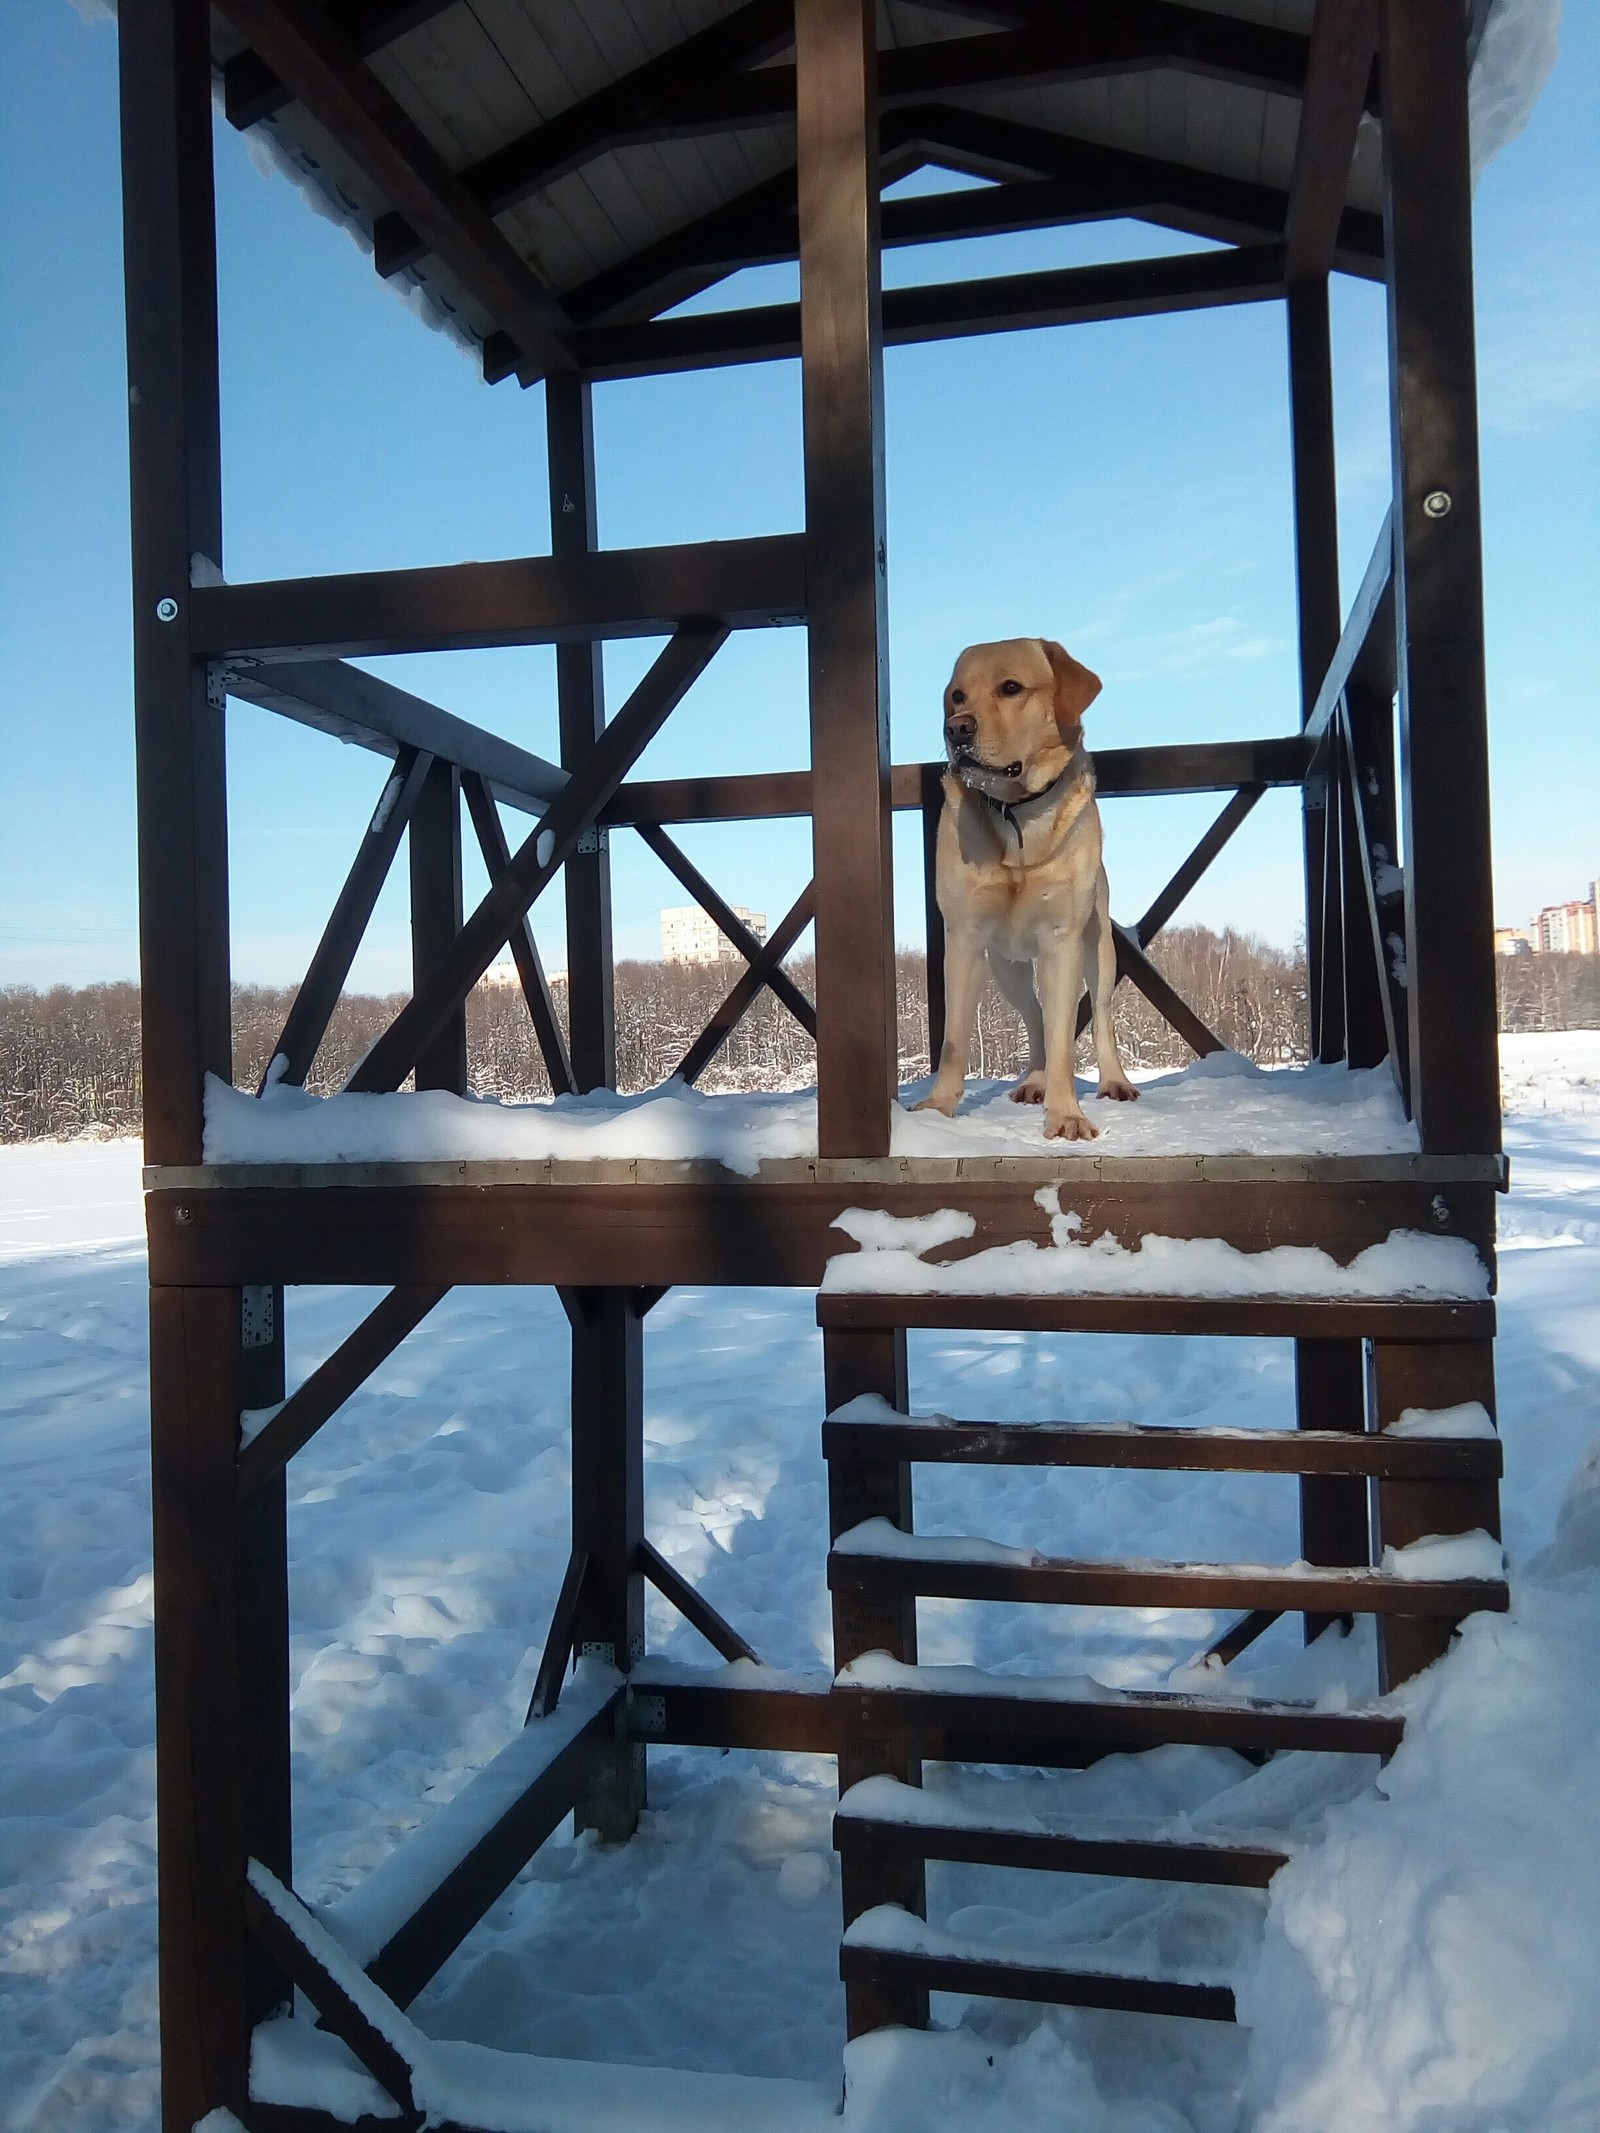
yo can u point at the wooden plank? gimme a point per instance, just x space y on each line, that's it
1330 1399
534 865
1184 880
1368 722
331 1384
264 1673
566 599
1240 1866
732 927
1344 43
1249 1317
355 706
933 918
557 1654
304 47
1369 622
1134 965
1062 1583
1368 962
881 1970
608 1526
747 989
1321 1449
719 1229
252 92
580 697
339 2012
839 323
943 311
169 263
1331 989
435 853
1443 713
697 1611
547 1030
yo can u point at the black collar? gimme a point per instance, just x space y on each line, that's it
1008 808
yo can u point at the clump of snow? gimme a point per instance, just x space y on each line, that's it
876 1231
1470 1419
1406 1264
1447 1555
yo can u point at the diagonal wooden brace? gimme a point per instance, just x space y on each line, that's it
558 1643
678 862
698 1612
1136 966
540 857
744 994
524 948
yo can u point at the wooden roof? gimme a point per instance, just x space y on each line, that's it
541 166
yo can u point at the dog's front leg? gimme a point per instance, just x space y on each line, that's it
1059 970
964 968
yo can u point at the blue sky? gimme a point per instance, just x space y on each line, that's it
1122 486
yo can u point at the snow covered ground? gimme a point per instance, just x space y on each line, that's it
1429 1963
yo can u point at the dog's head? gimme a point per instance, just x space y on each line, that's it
1013 715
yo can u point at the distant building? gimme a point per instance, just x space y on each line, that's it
1559 929
690 935
1514 940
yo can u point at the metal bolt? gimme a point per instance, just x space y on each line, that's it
183 1216
1436 503
1440 1211
167 610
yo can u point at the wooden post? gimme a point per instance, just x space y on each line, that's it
580 686
841 347
932 815
1316 543
1427 1375
608 1521
852 1364
264 1633
169 258
207 1812
1330 1393
434 837
1439 588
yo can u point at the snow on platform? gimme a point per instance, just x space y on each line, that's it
1224 1105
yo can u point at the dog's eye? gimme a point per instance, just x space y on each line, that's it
1010 688
958 696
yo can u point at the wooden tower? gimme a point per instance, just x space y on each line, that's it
774 124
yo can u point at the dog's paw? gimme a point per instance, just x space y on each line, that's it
1074 1127
1121 1092
936 1102
1029 1090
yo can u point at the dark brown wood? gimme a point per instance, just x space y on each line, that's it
733 928
1368 626
548 1033
1239 1866
264 1671
1134 965
933 917
692 1715
1061 1583
840 332
1178 888
169 263
637 107
881 1972
562 599
1246 1316
307 1022
201 1786
943 311
557 1654
747 989
338 2012
1331 1400
301 43
537 860
1318 1448
331 1384
435 852
719 1229
252 92
1368 1012
1344 43
1368 720
1403 1376
419 1949
356 706
1243 1634
608 1527
1330 930
1434 401
698 1612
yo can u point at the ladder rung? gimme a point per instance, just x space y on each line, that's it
1253 1317
1003 1980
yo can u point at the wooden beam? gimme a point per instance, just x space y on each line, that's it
537 861
1330 1400
434 841
883 1971
1134 965
639 106
1216 837
557 1654
252 92
331 1384
524 948
303 46
1367 633
1439 577
697 1611
340 2011
1013 303
355 706
1239 1317
569 599
747 989
1368 721
728 922
292 1056
1344 43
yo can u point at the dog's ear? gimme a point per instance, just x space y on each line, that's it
1076 690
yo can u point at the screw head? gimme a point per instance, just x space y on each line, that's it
167 610
1440 1211
183 1216
1437 503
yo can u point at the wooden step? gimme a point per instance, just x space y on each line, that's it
878 1558
944 1965
975 1716
882 1818
936 1440
1253 1317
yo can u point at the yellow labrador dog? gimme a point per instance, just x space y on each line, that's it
1020 878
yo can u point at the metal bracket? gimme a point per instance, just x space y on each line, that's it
258 1315
594 839
646 1713
218 675
605 1652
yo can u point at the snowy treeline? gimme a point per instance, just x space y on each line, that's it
69 1058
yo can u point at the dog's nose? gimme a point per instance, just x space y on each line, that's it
960 729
